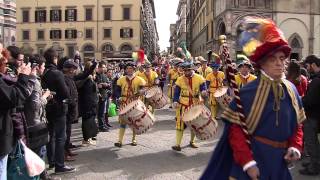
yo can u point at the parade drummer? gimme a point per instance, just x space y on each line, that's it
140 70
173 74
128 87
244 76
273 114
204 70
151 78
189 89
214 81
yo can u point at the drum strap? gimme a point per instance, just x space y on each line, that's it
130 89
188 82
148 78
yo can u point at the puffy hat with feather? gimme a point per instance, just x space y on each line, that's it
260 38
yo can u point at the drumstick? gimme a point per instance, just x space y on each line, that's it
230 71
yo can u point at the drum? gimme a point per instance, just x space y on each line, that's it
222 97
156 97
137 116
198 118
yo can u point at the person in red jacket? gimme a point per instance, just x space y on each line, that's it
294 75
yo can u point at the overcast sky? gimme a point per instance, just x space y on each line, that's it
165 15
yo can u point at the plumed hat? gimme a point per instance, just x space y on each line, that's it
261 38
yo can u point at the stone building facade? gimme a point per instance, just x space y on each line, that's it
298 19
102 29
8 22
181 24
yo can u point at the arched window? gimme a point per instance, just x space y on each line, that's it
126 48
295 43
107 50
222 29
88 51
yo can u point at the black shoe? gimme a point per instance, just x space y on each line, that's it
193 145
176 148
118 144
305 164
94 138
134 144
309 172
109 125
51 166
74 147
64 170
103 129
45 176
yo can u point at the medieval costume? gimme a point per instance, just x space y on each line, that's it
244 78
204 70
128 88
187 92
214 82
173 74
273 111
151 79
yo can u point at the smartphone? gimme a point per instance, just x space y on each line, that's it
34 65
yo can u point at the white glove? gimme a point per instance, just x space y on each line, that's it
175 105
142 92
204 93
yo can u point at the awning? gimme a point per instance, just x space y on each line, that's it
117 59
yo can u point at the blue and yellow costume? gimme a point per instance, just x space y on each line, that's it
151 80
204 72
214 81
173 75
187 92
127 89
257 98
243 80
272 111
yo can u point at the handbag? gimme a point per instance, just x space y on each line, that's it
38 135
35 165
17 168
112 110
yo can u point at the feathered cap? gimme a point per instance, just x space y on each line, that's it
215 65
260 38
245 63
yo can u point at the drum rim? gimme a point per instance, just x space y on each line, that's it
134 103
183 115
220 90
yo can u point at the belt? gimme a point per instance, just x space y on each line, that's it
275 144
189 96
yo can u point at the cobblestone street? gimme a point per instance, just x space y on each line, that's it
151 159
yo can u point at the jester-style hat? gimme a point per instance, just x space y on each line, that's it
130 64
245 63
187 65
147 65
215 65
261 38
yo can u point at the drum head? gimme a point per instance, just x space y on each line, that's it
130 106
153 91
193 112
220 92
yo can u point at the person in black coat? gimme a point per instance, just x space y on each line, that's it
311 103
88 102
104 86
56 111
10 97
